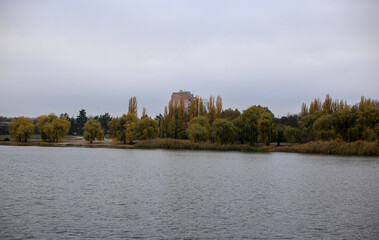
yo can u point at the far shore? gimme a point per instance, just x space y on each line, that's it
334 147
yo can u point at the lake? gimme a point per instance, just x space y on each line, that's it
93 193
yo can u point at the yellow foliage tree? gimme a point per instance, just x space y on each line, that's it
211 109
133 105
21 129
218 107
52 127
93 130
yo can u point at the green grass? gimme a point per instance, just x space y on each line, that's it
38 137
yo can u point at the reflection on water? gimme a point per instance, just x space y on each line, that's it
79 193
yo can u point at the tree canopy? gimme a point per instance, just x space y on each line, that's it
53 128
223 131
21 128
93 130
199 129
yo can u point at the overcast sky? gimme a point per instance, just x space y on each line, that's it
62 56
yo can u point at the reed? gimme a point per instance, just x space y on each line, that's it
168 143
334 147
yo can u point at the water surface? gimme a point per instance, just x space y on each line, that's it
81 193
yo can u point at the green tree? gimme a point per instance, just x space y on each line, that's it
104 120
223 131
117 129
147 128
247 124
93 130
292 134
21 128
231 114
324 127
198 129
265 127
81 120
345 124
4 129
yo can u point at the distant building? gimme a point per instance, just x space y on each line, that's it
177 96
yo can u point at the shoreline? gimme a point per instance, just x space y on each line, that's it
335 147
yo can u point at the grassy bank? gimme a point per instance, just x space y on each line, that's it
334 147
38 137
167 143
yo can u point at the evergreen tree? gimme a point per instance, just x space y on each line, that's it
81 119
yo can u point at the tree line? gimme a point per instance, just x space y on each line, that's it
335 119
322 120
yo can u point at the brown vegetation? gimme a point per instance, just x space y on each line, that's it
334 147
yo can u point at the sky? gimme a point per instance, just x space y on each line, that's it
63 56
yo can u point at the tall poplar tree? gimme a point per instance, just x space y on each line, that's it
182 120
218 107
211 109
133 105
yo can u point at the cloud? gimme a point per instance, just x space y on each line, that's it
97 55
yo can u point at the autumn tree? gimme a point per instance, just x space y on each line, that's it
199 129
327 104
223 131
315 106
171 120
144 115
219 107
93 130
147 128
202 109
131 127
182 120
304 110
194 107
133 109
53 128
163 124
211 109
21 128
